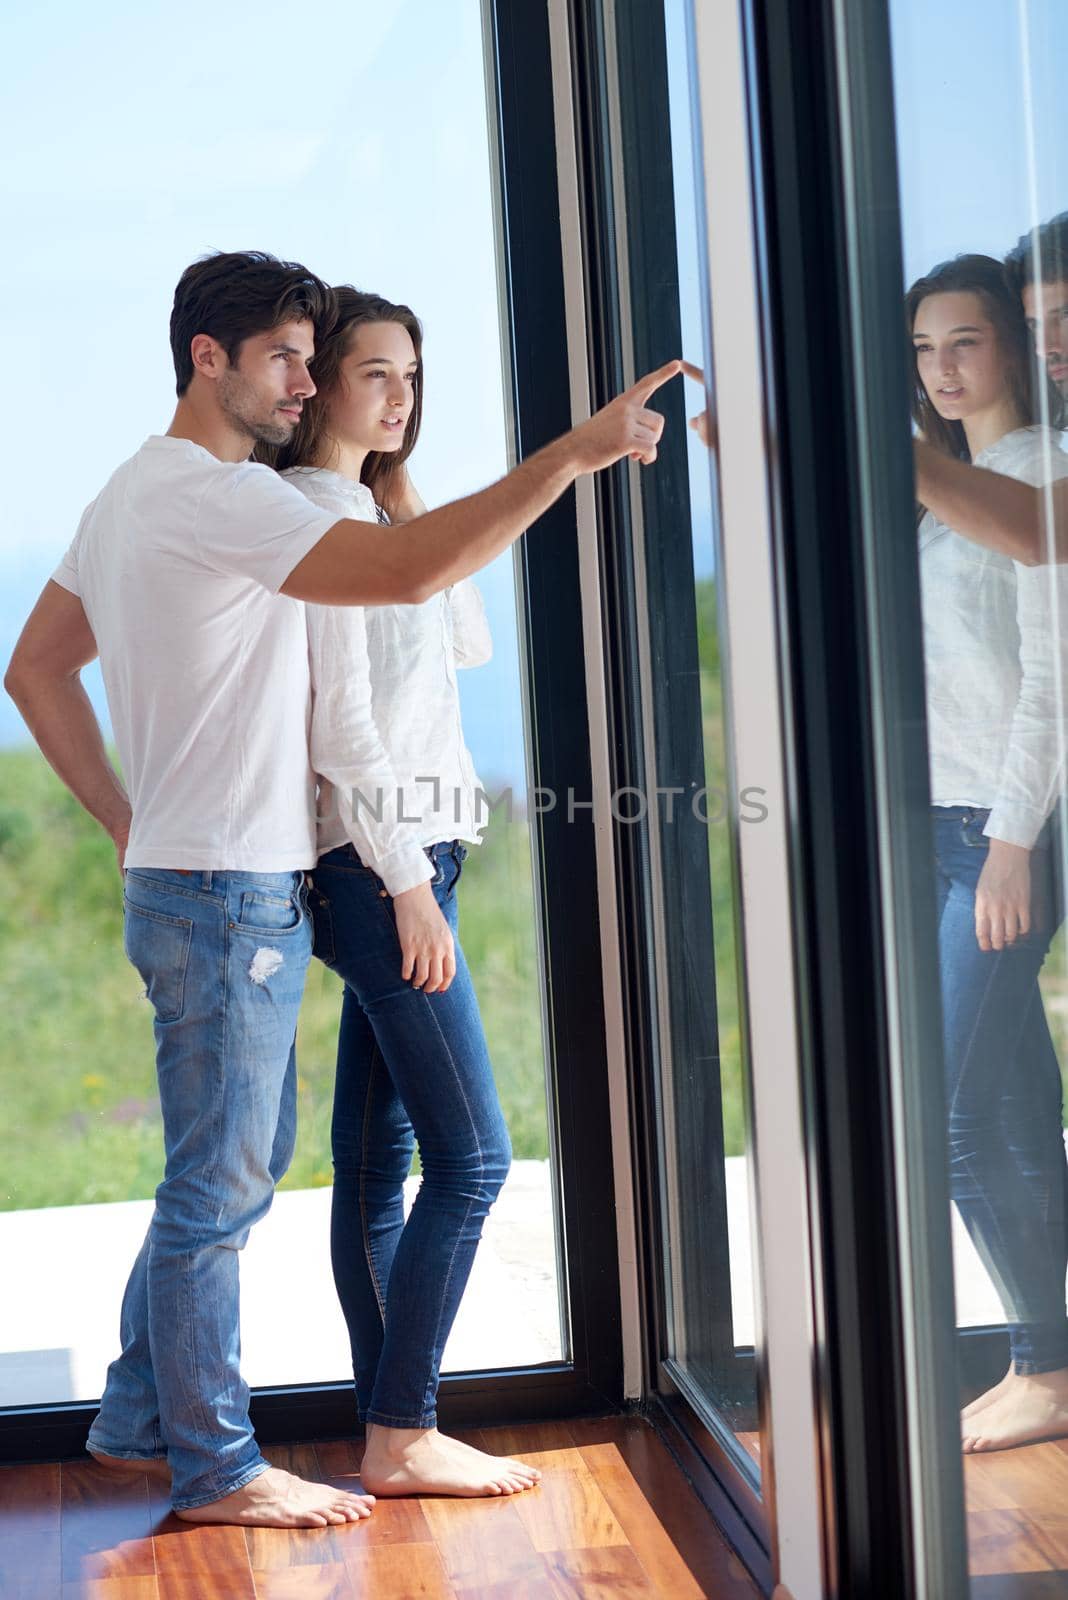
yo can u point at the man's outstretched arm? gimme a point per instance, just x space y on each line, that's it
362 563
991 509
43 680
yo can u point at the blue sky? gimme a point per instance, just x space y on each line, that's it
136 137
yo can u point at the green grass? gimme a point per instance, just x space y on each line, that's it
77 1083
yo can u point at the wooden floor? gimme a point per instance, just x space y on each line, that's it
613 1519
1017 1512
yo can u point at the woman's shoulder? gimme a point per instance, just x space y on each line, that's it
334 492
1035 454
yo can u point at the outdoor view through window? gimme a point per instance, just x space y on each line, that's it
333 172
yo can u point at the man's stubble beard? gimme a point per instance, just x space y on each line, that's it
240 404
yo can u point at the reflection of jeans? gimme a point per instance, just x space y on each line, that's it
1007 1161
410 1066
223 956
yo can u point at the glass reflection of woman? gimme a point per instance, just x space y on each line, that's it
994 645
398 794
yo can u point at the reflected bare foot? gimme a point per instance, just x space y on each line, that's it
424 1461
154 1466
1026 1410
277 1499
987 1397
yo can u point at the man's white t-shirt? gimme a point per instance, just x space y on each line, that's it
178 563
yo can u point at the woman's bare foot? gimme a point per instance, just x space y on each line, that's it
1027 1409
424 1461
154 1466
987 1397
277 1499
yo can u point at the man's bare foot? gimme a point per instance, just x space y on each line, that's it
277 1499
154 1466
987 1397
424 1461
1027 1409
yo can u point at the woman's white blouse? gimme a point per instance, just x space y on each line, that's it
386 739
996 659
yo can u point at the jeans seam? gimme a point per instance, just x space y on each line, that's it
372 1270
470 1205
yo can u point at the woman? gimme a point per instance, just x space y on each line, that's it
994 647
398 796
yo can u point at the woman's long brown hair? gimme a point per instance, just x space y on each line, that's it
310 444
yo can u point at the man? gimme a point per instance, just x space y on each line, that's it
1022 521
185 575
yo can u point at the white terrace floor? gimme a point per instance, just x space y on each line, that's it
64 1271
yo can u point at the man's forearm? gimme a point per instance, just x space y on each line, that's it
439 544
376 565
59 715
992 509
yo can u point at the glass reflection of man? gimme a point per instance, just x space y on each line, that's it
1027 523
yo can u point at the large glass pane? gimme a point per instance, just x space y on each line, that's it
140 147
984 185
703 1097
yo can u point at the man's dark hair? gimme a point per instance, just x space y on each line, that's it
1040 256
234 295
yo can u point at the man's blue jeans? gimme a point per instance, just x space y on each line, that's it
411 1066
223 957
1008 1175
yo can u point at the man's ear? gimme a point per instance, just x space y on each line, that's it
209 357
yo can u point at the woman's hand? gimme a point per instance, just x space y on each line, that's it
1003 896
702 424
428 957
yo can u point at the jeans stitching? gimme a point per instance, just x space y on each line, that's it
446 1282
371 1268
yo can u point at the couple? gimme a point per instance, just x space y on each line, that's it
996 666
199 577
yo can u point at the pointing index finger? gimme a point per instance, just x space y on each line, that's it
652 381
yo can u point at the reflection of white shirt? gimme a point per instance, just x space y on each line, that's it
996 658
178 563
386 713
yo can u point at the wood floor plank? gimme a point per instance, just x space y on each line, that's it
143 1588
998 1542
1047 1528
224 1585
482 1542
323 1582
666 1524
105 1524
339 1458
202 1562
612 1572
1003 1480
30 1498
30 1566
539 1437
567 1511
416 1572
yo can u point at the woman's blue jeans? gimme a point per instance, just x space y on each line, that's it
223 957
1008 1174
410 1066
